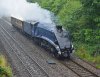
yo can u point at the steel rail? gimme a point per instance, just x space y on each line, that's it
76 71
15 52
26 52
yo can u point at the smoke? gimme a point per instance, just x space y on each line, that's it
23 10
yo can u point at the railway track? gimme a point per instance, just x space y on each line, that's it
78 69
30 65
54 70
11 53
86 65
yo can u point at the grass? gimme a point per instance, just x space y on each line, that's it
86 52
5 70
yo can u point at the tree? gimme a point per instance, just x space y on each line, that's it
91 13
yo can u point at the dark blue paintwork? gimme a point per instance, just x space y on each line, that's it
58 38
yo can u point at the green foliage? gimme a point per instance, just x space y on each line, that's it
81 51
91 15
5 70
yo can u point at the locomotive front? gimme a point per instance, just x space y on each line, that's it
65 46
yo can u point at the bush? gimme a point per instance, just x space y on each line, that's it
86 52
5 69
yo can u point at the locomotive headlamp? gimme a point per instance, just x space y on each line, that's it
72 46
59 52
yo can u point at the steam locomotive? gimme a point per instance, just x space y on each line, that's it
54 38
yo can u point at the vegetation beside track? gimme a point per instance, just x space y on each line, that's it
5 70
87 52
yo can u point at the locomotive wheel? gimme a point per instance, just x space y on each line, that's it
43 43
57 55
51 49
36 40
68 55
54 51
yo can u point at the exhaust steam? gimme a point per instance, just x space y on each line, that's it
24 10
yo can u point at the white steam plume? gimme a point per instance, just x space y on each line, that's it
25 10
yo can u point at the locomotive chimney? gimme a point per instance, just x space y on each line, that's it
59 27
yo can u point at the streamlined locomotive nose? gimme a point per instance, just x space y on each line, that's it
66 51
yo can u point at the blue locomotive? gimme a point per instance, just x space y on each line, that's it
54 38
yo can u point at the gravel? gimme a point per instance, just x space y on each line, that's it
13 59
87 65
3 51
40 55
